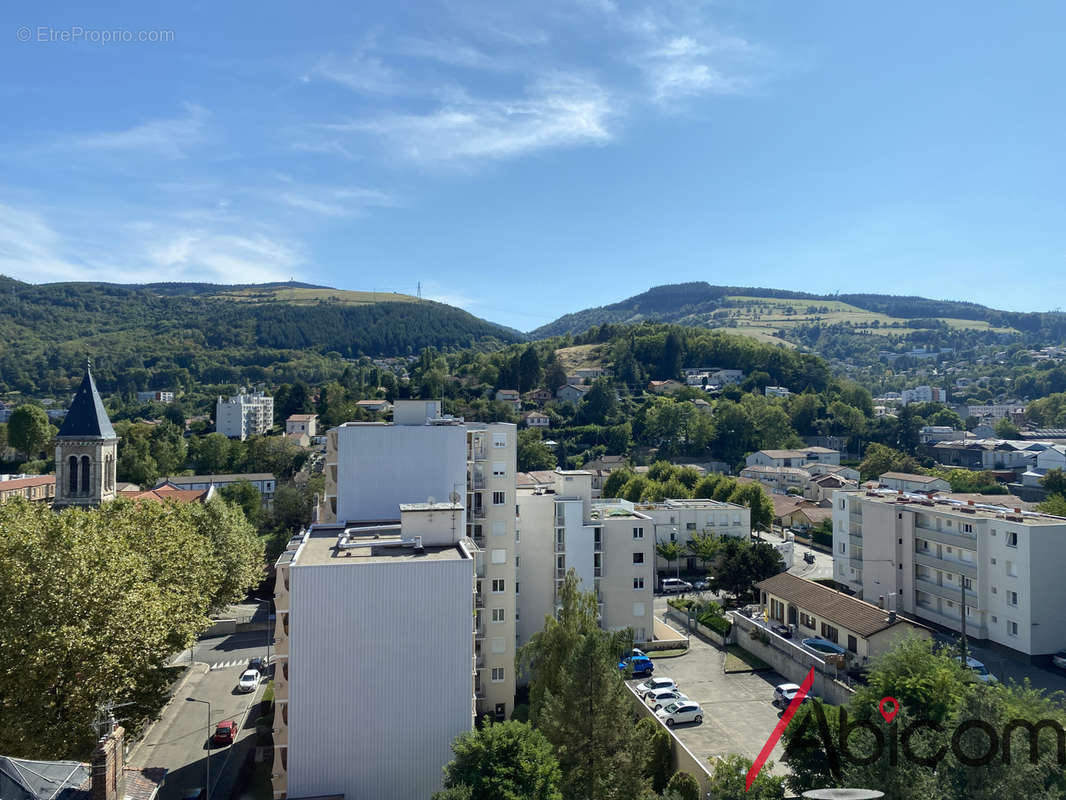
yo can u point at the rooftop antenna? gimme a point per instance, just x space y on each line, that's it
106 721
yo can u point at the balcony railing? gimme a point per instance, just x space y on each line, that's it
560 547
479 512
560 572
479 600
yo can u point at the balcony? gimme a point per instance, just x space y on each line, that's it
945 591
560 547
479 600
281 733
855 539
930 559
560 573
476 452
855 560
477 481
479 512
965 541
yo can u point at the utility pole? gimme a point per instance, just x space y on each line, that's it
207 758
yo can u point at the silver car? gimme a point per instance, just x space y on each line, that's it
654 684
249 681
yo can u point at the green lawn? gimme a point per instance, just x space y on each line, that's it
737 659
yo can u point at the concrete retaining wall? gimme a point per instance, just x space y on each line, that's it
681 758
790 660
681 619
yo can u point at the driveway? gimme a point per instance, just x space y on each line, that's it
738 716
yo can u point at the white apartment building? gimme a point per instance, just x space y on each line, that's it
374 649
924 556
609 545
157 397
244 415
923 394
793 458
678 520
422 456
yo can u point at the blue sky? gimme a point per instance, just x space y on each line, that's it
526 160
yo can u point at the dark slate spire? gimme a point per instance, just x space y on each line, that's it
86 418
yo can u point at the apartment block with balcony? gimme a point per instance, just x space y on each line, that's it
679 520
244 415
364 608
933 558
425 456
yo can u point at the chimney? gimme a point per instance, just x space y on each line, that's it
891 617
880 603
107 764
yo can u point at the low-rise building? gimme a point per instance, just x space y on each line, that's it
820 488
909 482
571 393
155 397
776 391
778 479
265 482
537 419
374 406
302 423
793 458
930 434
1015 412
664 387
923 394
511 397
865 630
35 488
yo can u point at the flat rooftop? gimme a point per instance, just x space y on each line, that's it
320 548
959 508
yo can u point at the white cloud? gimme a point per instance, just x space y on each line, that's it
31 249
558 111
171 138
360 72
453 52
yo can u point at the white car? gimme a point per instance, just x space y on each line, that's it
674 585
681 711
663 697
654 684
249 681
784 692
979 670
1059 659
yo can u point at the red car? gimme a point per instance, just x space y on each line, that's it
225 732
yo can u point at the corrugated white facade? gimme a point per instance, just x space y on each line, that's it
380 676
381 466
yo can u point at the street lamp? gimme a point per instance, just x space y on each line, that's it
268 630
207 759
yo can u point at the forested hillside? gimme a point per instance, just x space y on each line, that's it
179 334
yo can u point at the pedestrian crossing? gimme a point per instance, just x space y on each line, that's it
227 664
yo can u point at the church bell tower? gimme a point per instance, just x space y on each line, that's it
86 449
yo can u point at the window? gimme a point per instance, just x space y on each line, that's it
516 587
499 556
995 618
499 440
497 614
499 528
830 633
517 616
499 469
993 562
690 526
967 583
497 674
967 527
1012 539
498 498
497 585
638 635
638 558
842 548
498 644
853 644
994 590
638 609
638 583
807 621
1012 628
1012 598
1012 569
638 533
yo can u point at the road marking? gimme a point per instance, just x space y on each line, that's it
227 664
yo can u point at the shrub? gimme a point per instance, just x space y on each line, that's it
716 623
683 786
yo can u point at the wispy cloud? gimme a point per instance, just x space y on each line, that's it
561 110
363 72
449 51
214 257
170 138
336 202
30 248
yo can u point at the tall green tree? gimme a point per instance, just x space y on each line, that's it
579 701
247 498
682 786
28 430
669 551
504 761
529 369
730 775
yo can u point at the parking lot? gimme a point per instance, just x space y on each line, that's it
737 713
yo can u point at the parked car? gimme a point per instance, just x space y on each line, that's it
195 793
784 694
642 665
820 645
979 670
682 711
782 630
701 585
258 664
1059 659
249 681
663 697
654 684
634 653
674 585
225 732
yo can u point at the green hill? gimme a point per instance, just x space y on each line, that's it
180 334
787 316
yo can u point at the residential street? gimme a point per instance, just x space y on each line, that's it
178 741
